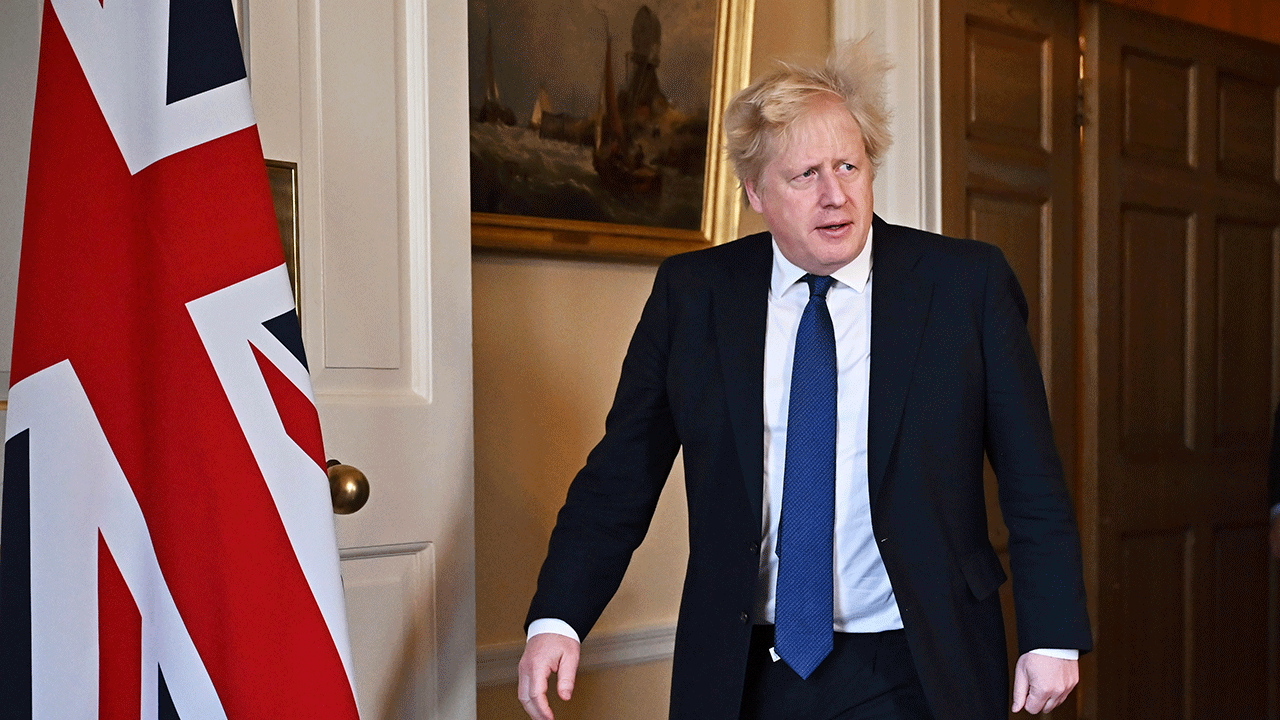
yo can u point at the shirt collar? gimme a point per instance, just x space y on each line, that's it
856 274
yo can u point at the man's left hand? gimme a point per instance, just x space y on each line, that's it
1041 683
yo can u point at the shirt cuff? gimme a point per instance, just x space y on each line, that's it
552 625
1051 652
1275 511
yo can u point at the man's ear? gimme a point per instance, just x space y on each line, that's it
749 187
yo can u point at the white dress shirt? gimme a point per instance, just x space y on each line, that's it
863 596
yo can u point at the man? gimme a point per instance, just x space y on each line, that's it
874 479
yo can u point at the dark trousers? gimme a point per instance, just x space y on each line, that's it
867 676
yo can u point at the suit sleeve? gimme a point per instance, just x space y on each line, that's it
1044 543
611 501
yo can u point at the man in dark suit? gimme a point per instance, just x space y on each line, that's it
871 508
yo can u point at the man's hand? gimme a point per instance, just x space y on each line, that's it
544 654
1275 537
1041 683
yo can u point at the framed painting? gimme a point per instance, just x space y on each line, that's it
282 177
596 125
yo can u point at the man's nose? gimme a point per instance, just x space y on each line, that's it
830 191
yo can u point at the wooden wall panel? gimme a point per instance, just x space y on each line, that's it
1154 329
1008 76
1014 223
1181 352
1008 98
1239 579
1157 106
1008 80
1155 634
1247 112
1245 300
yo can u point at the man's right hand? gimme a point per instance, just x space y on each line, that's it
544 654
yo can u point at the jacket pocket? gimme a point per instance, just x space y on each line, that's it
984 573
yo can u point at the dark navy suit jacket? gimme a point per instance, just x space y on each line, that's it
953 375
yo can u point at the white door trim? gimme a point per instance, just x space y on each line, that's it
908 187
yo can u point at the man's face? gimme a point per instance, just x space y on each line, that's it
815 192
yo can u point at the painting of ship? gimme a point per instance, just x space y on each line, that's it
492 110
618 159
620 152
553 125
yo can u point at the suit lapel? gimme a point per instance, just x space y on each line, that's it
899 310
740 305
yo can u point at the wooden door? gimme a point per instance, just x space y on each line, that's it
1009 153
368 98
1180 291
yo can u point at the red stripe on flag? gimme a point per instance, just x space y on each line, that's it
119 643
297 412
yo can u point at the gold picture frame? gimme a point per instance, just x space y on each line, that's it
730 70
282 177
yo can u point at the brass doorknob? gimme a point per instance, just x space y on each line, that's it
348 488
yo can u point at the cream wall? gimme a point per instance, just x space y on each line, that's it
549 339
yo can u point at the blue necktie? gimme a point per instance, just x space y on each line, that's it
803 597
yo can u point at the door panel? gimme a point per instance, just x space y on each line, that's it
1179 336
1008 83
1156 246
390 604
1156 566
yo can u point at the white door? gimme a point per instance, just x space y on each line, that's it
368 98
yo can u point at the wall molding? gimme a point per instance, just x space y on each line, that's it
908 186
496 664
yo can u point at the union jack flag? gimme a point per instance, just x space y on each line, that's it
167 547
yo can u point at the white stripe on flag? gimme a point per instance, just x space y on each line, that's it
123 48
229 321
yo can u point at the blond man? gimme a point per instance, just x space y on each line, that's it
834 384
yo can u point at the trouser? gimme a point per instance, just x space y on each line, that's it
867 676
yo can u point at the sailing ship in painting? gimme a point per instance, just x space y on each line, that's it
636 160
492 110
617 157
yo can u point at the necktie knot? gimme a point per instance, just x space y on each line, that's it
819 284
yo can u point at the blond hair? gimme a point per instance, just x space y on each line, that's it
759 116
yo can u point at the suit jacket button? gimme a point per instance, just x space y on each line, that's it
744 618
754 548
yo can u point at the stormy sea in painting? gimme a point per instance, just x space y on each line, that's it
622 152
515 172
